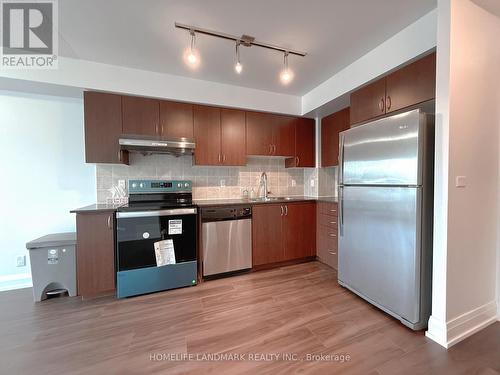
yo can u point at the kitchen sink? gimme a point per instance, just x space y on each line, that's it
271 199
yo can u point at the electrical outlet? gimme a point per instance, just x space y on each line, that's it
312 183
121 184
21 261
294 183
222 183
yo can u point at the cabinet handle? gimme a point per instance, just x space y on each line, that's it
286 210
281 207
332 252
389 102
219 158
119 155
381 105
274 149
298 161
108 223
223 158
333 210
333 235
333 222
157 130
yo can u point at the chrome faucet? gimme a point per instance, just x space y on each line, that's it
263 182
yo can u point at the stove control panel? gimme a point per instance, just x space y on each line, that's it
159 186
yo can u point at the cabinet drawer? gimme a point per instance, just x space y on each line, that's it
327 208
327 220
328 250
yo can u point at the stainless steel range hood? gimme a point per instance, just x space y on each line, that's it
155 145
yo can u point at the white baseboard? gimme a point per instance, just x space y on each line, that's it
463 326
19 281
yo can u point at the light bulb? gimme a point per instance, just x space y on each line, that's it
238 67
192 58
286 76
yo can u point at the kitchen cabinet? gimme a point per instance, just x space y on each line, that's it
283 135
304 144
299 230
176 120
95 253
219 135
103 127
259 128
233 137
415 83
327 233
408 86
331 126
207 135
283 232
141 116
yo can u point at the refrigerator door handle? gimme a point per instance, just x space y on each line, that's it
341 210
341 159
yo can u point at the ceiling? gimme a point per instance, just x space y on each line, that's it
492 6
141 34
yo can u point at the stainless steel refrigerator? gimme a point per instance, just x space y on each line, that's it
385 194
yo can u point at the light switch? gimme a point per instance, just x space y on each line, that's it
460 181
294 183
222 183
312 182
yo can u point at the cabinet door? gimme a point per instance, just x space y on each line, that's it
368 102
331 126
259 133
267 245
283 135
141 116
413 84
103 127
95 253
305 142
233 137
176 120
299 230
207 135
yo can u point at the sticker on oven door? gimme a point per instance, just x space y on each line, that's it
175 226
164 252
53 256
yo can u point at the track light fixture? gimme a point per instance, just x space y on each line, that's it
192 57
191 54
286 75
238 67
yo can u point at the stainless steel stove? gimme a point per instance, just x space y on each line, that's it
158 213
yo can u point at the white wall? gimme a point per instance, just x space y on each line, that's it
466 219
42 171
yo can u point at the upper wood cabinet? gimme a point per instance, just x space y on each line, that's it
331 126
233 137
219 135
141 116
103 127
283 232
96 253
259 133
408 86
304 144
412 84
283 135
176 119
207 135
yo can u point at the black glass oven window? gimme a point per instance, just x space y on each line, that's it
135 239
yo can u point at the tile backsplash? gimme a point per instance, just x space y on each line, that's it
208 182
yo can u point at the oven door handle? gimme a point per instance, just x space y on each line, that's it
173 212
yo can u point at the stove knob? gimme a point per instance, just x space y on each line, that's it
179 185
134 185
141 185
186 184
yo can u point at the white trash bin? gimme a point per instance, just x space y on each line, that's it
53 265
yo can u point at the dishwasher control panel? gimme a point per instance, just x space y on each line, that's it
226 213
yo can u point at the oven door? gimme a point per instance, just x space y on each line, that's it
136 233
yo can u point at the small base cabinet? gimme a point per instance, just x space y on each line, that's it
95 253
327 233
283 232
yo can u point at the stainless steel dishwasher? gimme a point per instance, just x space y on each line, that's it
226 239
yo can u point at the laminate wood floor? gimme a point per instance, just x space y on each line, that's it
297 311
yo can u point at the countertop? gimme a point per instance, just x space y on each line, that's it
101 207
97 207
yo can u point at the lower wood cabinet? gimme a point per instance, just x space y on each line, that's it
283 232
327 233
95 253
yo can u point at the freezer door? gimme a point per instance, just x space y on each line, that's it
379 246
384 152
